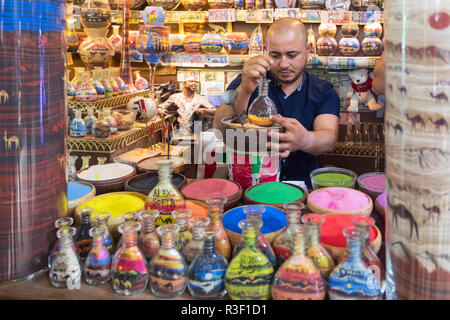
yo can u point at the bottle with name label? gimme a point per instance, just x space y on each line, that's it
168 271
165 197
352 279
314 250
206 274
195 246
249 275
215 212
97 266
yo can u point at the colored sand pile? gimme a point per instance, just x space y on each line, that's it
77 190
274 193
273 219
115 203
343 199
333 179
203 189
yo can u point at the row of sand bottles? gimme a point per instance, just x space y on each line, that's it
306 273
101 127
104 83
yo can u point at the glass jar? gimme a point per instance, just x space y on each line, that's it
89 119
194 5
165 197
97 267
82 238
298 278
100 128
352 279
372 46
176 42
106 84
165 4
96 51
337 5
78 78
183 235
130 216
101 92
220 4
283 243
312 4
61 224
70 89
363 5
211 43
102 219
71 169
262 107
256 45
114 85
123 88
314 250
349 46
116 39
195 245
235 42
86 91
193 43
215 212
148 240
206 274
77 127
327 30
95 14
168 271
326 46
140 82
129 268
65 271
249 275
110 120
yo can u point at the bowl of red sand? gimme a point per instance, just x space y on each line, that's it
333 239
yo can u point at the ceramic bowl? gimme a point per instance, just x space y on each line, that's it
336 200
330 238
112 203
78 192
380 205
144 183
274 220
148 165
124 119
134 156
108 177
270 193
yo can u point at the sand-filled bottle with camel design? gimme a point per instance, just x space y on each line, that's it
168 271
102 219
97 266
298 278
249 275
148 240
215 211
129 267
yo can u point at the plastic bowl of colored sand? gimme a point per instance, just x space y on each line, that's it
338 200
144 183
332 177
274 220
333 239
77 193
116 203
274 194
372 184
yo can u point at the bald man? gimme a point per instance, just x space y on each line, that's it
308 108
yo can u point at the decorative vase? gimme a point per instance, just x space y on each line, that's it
96 51
116 39
235 42
193 43
194 5
125 55
211 43
95 14
417 149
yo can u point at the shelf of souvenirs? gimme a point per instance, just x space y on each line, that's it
347 149
251 16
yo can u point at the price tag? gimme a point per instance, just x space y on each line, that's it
221 15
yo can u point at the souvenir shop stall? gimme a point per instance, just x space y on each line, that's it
114 185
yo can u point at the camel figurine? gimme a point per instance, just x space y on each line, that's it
10 140
4 97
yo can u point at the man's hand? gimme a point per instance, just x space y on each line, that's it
202 111
254 69
162 112
295 137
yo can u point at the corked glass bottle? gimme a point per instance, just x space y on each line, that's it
314 250
165 197
282 245
129 267
130 216
352 279
61 224
183 235
206 274
195 245
82 238
298 278
215 212
254 216
249 275
97 266
168 271
65 271
102 219
148 240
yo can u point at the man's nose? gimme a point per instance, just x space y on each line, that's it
284 62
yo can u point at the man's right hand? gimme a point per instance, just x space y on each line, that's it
254 69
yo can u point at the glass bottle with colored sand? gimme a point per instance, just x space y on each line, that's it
262 107
168 271
314 250
183 235
100 127
97 266
352 279
102 219
298 278
282 245
249 275
129 268
77 127
82 237
195 246
148 240
254 216
110 120
127 217
206 274
165 197
61 224
89 119
215 212
65 271
86 91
